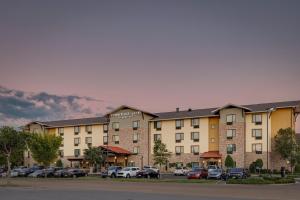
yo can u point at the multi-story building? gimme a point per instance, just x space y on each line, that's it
194 137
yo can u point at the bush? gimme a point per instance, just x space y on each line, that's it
252 167
59 163
262 180
297 168
259 163
229 163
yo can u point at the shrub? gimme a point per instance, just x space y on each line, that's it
297 168
59 163
259 163
229 163
261 180
189 165
252 167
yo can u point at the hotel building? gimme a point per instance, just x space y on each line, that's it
194 137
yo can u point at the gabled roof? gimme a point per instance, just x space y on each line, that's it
75 122
128 107
230 105
211 154
115 149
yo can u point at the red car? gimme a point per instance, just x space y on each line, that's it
197 173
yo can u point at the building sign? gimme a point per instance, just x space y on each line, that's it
125 115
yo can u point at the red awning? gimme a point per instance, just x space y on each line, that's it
211 154
117 150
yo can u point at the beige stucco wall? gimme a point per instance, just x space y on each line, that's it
168 132
251 140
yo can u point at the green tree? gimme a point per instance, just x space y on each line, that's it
12 142
229 163
44 148
95 156
259 163
59 163
286 145
160 153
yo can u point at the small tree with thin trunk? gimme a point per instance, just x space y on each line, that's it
12 142
160 153
229 163
94 155
286 145
44 148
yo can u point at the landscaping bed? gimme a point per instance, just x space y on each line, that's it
262 180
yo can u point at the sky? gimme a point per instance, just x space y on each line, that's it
86 57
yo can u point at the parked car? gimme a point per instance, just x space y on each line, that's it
197 173
61 173
216 174
37 174
151 167
238 173
147 173
75 173
16 171
211 167
112 171
181 171
128 172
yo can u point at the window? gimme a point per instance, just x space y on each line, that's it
76 141
116 126
88 140
135 124
195 122
257 119
88 129
195 136
136 137
157 125
62 143
257 133
116 139
195 149
136 150
257 148
76 130
61 131
179 150
105 128
76 152
61 153
105 139
157 137
179 123
230 119
179 137
231 148
230 134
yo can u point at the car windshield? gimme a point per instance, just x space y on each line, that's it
236 170
112 168
126 169
211 167
196 169
215 170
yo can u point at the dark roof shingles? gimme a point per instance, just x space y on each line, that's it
74 122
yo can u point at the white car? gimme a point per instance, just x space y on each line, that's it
128 172
212 167
181 171
152 167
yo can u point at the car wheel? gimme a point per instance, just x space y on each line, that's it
128 176
113 175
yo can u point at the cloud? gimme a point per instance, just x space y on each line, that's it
19 107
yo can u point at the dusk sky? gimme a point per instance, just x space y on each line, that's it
82 58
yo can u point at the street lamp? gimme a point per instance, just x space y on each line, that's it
269 112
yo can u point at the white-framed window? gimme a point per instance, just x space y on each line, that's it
257 148
156 137
195 122
76 130
116 139
88 140
105 128
136 137
135 124
76 141
88 129
195 136
195 149
105 139
76 152
157 125
257 133
61 131
257 119
231 148
230 119
179 150
179 137
179 123
230 133
136 150
116 126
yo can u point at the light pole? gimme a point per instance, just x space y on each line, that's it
269 112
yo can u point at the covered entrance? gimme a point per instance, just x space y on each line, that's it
211 158
116 155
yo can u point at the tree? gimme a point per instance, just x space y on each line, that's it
259 163
229 163
286 145
44 148
59 163
12 142
160 153
94 155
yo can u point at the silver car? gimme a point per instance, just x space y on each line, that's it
215 174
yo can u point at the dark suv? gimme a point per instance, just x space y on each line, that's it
238 173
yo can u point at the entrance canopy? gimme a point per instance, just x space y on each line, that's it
116 150
211 154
